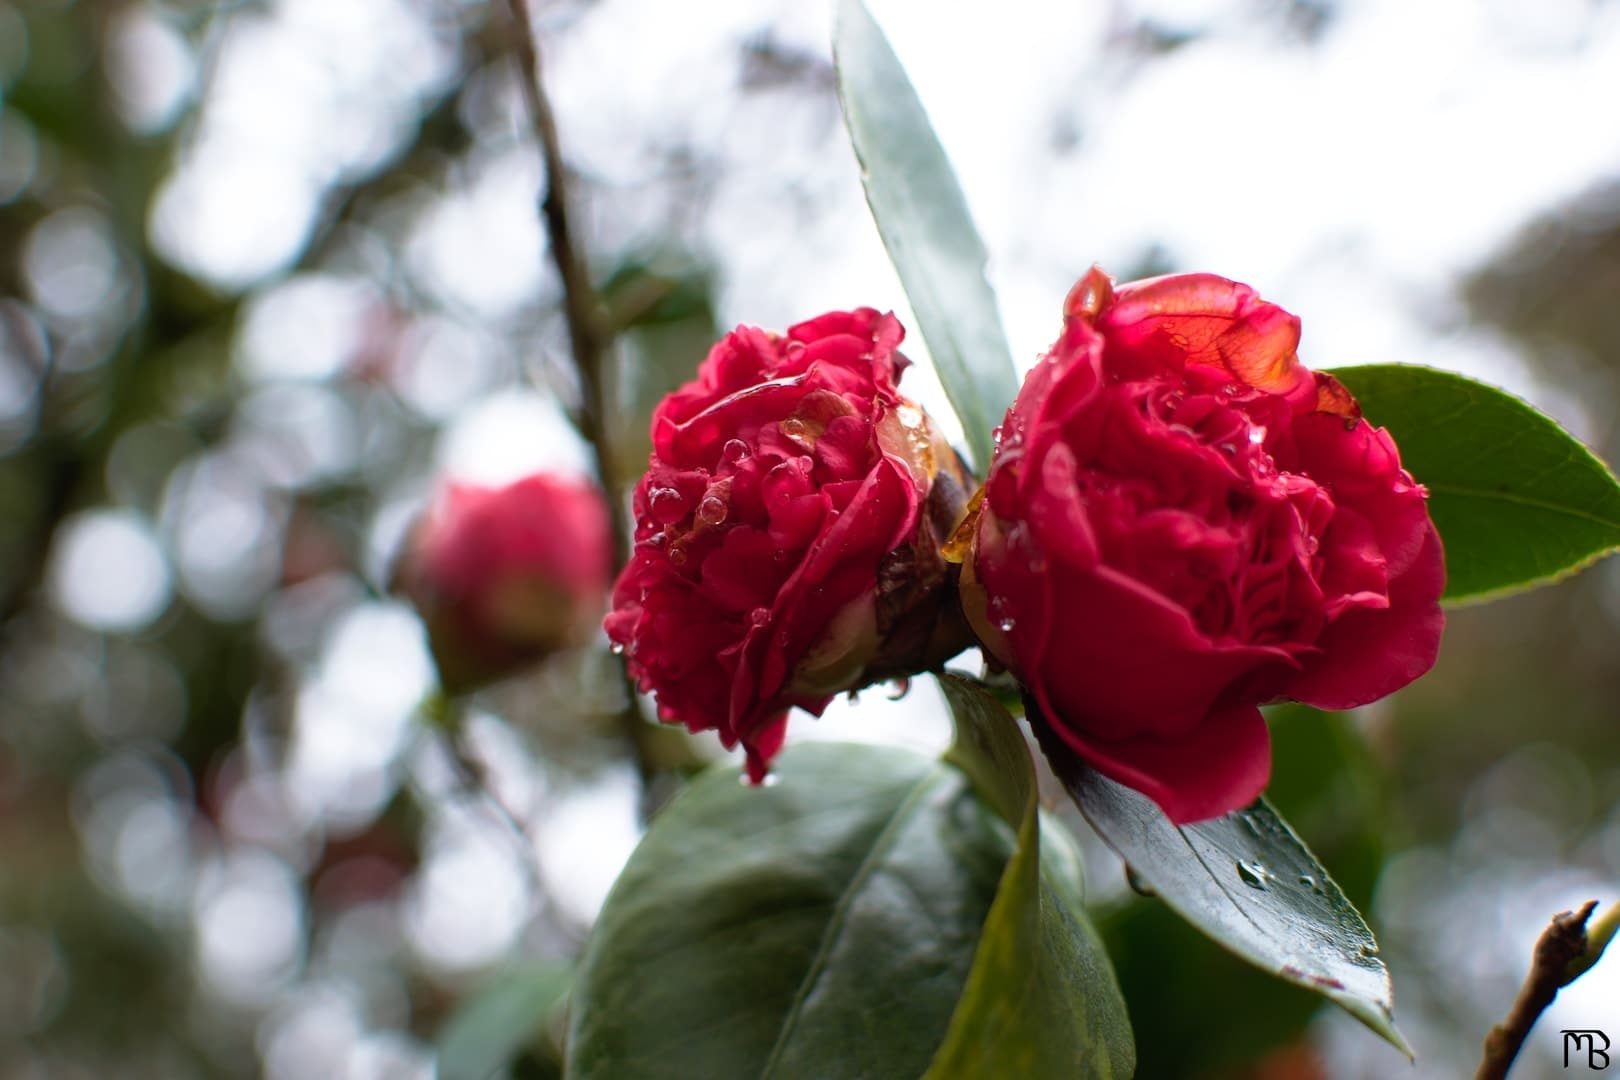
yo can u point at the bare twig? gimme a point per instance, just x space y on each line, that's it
473 779
588 334
1552 968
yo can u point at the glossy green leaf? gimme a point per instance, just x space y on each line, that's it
821 926
1041 999
925 224
492 1027
1245 880
1517 499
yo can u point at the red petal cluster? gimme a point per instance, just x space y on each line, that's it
1181 523
773 496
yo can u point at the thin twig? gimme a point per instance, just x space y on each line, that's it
588 335
474 780
1560 945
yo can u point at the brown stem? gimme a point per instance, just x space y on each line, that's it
589 338
1559 946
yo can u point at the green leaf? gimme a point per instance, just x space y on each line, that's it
491 1027
1245 880
821 926
924 221
1041 999
1517 499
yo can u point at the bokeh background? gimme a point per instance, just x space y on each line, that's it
270 270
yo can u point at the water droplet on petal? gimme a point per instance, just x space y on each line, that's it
759 616
677 554
1312 545
712 510
667 504
1007 625
1257 435
1307 881
734 450
617 648
1253 874
792 427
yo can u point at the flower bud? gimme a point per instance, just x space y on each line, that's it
788 533
502 577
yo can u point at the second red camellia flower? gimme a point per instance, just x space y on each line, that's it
787 533
1181 523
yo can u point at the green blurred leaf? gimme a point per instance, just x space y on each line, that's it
483 1036
822 926
1517 499
1041 999
1245 880
926 227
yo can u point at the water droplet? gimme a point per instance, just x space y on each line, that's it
759 616
898 689
1257 435
1312 545
1307 881
617 648
712 510
677 554
1253 874
1137 882
792 428
1248 823
1229 449
1007 625
666 504
734 450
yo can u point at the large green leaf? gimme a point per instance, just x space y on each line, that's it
1517 499
1245 880
821 926
1041 999
924 221
499 1020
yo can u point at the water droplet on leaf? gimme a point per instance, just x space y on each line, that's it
1253 874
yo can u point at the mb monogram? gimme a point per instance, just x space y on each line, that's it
1589 1047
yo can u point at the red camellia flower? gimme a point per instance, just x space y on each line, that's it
1181 523
787 533
504 576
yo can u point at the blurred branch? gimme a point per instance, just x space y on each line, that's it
588 335
1562 953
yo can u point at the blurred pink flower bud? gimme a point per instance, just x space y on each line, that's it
502 577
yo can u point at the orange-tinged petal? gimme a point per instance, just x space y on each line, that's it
1214 321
